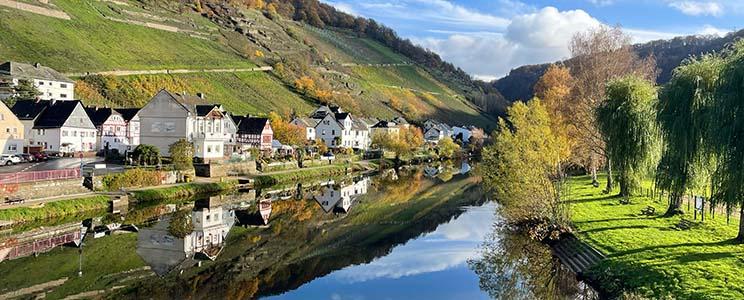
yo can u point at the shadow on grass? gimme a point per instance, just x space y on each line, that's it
654 248
605 197
693 257
614 219
615 228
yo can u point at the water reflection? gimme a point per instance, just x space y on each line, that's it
513 266
160 249
340 197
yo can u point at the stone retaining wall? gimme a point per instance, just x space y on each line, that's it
43 189
221 170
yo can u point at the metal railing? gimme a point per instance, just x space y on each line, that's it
21 177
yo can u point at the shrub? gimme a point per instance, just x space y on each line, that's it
131 178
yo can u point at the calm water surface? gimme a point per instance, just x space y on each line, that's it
419 233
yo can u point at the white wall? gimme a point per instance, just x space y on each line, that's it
55 89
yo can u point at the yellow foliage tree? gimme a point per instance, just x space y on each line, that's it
285 132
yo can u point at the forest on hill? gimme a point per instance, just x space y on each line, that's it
519 83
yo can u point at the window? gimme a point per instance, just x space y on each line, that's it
2 117
217 148
64 86
41 83
333 131
13 148
323 132
209 149
63 96
74 133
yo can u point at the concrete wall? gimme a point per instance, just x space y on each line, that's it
221 170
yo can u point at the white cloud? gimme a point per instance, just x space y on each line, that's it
711 30
533 38
343 6
698 8
601 2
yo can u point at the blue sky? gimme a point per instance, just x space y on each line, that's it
487 38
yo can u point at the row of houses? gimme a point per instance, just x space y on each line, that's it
53 122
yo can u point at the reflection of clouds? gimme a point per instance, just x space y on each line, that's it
449 246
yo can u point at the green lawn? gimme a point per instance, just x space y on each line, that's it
55 209
646 255
112 254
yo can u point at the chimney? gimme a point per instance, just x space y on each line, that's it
200 95
36 65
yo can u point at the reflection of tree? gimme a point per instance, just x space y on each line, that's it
513 266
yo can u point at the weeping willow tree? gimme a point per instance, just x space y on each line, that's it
727 133
683 115
626 120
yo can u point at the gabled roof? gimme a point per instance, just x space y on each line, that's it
400 121
341 116
384 124
56 114
29 109
251 125
358 125
27 71
307 122
203 110
189 102
99 115
127 113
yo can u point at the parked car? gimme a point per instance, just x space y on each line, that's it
40 156
9 159
25 157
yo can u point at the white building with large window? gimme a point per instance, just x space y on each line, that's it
51 84
169 117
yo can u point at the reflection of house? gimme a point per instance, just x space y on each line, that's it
340 199
49 82
58 126
259 217
40 240
432 171
162 251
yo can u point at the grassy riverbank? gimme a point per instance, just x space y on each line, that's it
648 256
299 174
183 190
104 260
55 209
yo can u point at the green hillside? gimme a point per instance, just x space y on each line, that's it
360 74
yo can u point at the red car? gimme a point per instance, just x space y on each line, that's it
39 156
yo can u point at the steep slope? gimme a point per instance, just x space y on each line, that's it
356 72
668 54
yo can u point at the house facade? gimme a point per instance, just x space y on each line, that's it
56 126
131 117
51 84
308 124
11 131
385 127
169 117
254 133
111 127
337 129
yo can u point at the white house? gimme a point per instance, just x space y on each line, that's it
51 84
337 128
56 126
462 133
309 125
118 129
435 132
340 198
169 117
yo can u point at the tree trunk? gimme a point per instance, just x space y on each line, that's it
675 204
609 176
740 237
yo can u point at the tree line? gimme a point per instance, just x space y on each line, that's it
605 111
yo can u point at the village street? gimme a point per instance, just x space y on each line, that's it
51 164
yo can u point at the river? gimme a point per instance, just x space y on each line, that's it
420 233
